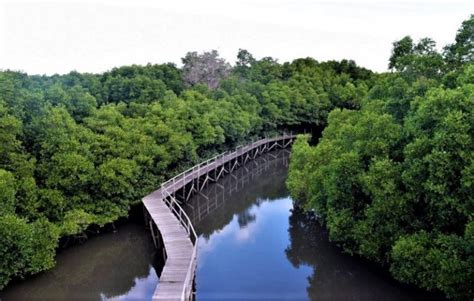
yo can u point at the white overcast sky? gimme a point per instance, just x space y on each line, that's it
41 37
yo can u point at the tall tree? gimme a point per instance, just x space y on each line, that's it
462 50
415 60
206 68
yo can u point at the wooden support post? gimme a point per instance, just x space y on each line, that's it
236 163
272 146
204 183
220 173
183 191
203 195
145 216
255 163
217 167
190 192
255 154
208 207
153 235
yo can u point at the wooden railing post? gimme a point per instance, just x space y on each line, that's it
171 186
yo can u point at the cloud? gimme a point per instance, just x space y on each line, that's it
94 36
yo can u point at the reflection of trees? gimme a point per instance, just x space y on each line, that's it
245 218
336 275
106 264
260 179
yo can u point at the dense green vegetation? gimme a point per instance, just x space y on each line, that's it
394 181
392 177
77 150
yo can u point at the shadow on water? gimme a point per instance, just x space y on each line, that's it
110 266
259 180
336 275
253 245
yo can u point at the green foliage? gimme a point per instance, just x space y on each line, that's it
296 183
25 248
462 50
435 261
392 176
79 149
7 192
393 181
415 60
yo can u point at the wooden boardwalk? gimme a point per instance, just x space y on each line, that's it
214 197
171 226
179 250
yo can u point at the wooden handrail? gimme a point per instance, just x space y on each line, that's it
188 226
179 212
236 149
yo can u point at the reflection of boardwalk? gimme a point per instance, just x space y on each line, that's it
215 196
177 232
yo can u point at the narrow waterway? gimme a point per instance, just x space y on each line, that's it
112 266
253 245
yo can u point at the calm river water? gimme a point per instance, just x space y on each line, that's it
252 246
111 266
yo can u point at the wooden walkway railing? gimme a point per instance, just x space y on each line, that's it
171 226
212 198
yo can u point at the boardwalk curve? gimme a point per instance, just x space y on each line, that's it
170 225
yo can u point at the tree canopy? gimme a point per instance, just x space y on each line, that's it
391 177
77 150
393 180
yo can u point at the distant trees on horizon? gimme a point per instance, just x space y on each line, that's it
391 178
77 150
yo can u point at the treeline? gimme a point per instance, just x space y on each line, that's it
78 150
394 181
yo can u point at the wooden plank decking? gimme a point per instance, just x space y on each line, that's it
177 232
179 249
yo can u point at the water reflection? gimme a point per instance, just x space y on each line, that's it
244 218
335 275
249 263
116 266
254 246
260 180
